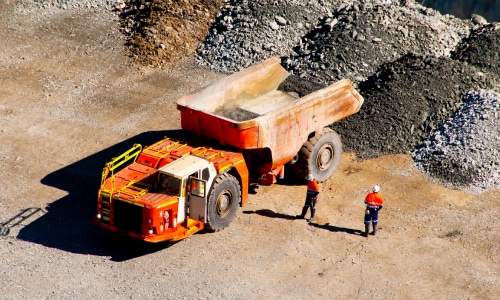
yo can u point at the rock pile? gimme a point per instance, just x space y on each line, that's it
481 48
164 33
356 39
247 32
405 100
464 151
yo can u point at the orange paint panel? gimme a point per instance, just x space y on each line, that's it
156 199
147 160
141 168
118 183
217 128
182 151
165 161
243 172
248 138
135 172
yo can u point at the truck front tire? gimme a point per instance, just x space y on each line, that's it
223 202
320 155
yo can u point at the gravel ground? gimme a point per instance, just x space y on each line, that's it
72 97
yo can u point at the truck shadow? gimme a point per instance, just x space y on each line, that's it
64 223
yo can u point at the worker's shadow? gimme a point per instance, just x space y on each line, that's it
333 228
64 223
271 214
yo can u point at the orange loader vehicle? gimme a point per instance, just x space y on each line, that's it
171 190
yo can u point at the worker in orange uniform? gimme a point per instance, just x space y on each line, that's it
374 203
311 198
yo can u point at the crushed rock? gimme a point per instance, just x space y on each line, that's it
247 32
481 48
356 39
464 150
165 33
407 99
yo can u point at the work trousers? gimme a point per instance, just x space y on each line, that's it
371 215
310 203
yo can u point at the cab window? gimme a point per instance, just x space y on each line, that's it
170 184
197 187
205 174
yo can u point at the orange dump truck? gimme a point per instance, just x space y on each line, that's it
170 190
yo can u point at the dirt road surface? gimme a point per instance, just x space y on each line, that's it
70 100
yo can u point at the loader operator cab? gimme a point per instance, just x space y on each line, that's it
188 178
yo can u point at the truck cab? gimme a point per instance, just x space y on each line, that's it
188 179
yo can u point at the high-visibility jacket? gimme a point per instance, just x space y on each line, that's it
312 188
374 200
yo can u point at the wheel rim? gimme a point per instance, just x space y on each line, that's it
324 159
224 203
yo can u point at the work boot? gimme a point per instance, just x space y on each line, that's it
312 216
367 230
374 229
303 214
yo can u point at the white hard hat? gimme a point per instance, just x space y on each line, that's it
309 177
376 188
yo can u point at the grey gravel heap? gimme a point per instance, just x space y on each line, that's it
327 42
481 48
356 39
247 32
465 150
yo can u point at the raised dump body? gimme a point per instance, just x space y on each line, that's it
246 110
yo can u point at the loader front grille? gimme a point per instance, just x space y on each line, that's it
127 216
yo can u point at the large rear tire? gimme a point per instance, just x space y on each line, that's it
223 202
319 156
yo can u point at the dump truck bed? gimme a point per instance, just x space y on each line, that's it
246 110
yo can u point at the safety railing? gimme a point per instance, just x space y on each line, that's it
115 163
